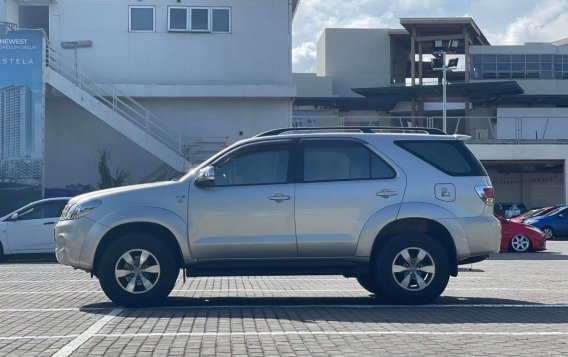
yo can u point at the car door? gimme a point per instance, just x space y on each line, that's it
32 231
561 222
341 184
248 211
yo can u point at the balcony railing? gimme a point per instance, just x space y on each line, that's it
6 27
514 130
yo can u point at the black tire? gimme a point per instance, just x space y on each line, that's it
424 279
1 253
131 247
549 236
369 284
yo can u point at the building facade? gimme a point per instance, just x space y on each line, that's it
512 100
159 84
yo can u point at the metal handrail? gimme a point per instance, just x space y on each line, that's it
114 99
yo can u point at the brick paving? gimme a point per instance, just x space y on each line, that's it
512 304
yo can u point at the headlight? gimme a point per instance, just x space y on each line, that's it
530 221
79 210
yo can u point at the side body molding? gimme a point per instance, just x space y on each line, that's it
159 216
412 210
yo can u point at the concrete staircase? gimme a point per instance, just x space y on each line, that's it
117 110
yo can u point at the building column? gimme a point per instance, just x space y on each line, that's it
420 63
413 56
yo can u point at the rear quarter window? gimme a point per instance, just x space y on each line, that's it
450 157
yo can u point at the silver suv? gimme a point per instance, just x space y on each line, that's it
398 210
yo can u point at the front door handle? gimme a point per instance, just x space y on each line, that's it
279 197
48 223
386 193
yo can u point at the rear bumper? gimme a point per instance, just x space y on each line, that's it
483 234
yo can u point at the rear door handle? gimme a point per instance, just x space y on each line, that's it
386 193
48 223
279 197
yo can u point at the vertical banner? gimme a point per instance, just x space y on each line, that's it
22 97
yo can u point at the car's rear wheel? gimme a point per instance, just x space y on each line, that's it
137 270
548 232
520 243
370 284
413 268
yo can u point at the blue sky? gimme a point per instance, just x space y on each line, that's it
504 22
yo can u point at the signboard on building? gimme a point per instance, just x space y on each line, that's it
21 118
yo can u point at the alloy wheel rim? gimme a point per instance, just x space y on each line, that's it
548 233
520 243
137 271
413 269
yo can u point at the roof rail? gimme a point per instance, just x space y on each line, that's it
362 129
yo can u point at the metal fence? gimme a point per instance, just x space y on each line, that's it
488 129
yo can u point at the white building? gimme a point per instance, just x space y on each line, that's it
512 100
159 83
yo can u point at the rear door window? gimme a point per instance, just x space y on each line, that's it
450 157
341 160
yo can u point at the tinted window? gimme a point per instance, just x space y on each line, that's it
178 19
40 211
200 19
257 165
342 160
221 20
450 157
141 19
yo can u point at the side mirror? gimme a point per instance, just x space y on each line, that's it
205 177
14 217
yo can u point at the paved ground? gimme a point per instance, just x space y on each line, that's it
512 304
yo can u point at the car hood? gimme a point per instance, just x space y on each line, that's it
100 194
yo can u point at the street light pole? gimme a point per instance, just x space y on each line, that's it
444 69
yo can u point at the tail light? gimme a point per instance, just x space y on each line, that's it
486 194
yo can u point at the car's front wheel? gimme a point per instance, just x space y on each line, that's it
137 270
520 243
413 268
548 232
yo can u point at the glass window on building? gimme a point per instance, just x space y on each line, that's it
142 18
199 19
178 19
221 20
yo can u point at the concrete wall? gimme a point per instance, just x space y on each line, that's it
534 190
354 58
312 85
257 51
527 152
541 123
74 137
9 11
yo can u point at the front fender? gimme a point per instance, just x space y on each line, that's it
165 218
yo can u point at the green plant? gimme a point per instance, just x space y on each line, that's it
106 180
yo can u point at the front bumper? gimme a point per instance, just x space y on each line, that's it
70 241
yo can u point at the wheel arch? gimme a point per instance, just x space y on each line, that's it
417 224
146 228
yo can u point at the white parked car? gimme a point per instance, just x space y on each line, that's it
30 228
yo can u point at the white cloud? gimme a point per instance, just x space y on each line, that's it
303 56
545 22
413 4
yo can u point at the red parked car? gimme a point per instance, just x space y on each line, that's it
520 237
533 213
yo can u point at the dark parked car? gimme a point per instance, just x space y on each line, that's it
554 224
508 210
